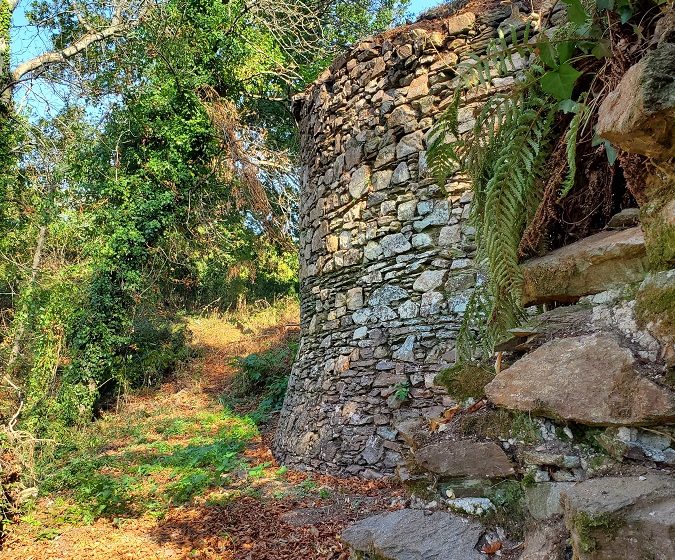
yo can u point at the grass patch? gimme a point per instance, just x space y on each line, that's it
253 318
94 479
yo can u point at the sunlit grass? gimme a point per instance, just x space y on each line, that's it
149 477
174 446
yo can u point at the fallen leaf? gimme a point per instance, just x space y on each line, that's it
491 548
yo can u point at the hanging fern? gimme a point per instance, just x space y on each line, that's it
504 156
521 153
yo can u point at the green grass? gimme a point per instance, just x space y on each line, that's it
168 448
95 480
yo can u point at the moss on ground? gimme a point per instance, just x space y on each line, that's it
464 381
500 424
587 527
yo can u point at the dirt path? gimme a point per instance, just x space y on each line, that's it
173 474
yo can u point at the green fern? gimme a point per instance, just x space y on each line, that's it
571 136
504 156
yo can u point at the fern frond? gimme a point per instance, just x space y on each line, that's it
571 137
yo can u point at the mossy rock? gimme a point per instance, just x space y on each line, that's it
465 381
655 310
655 300
658 219
587 526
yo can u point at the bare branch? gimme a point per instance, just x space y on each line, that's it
118 27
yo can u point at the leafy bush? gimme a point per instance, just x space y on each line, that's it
263 378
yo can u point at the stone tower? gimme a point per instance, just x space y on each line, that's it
385 253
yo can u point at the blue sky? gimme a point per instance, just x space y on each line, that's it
417 6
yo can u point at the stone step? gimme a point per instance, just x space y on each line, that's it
465 459
622 518
410 534
594 264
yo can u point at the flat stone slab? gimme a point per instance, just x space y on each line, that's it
409 534
592 265
543 499
622 518
465 459
588 379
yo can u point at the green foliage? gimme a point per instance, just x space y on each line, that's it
262 378
402 391
505 154
504 157
510 510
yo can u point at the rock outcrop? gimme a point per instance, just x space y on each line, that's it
622 518
639 115
591 380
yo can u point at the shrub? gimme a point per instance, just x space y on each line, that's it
263 378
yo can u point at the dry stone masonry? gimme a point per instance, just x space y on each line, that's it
573 435
386 255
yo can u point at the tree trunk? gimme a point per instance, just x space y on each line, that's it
5 72
35 269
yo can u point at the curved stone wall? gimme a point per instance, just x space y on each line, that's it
385 253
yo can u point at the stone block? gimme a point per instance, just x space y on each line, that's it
594 264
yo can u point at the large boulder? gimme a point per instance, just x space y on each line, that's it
410 534
589 379
622 518
465 459
592 265
639 115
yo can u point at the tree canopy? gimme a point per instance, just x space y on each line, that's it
166 182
